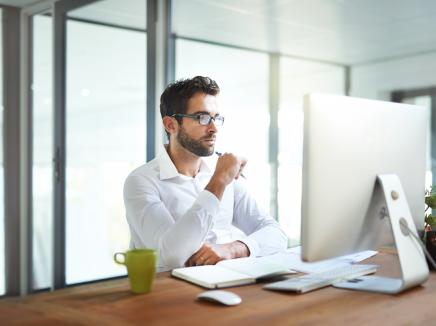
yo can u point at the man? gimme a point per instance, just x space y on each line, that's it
178 206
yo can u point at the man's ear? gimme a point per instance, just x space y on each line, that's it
170 124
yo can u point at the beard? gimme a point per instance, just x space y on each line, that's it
195 146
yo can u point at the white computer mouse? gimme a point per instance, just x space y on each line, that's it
225 297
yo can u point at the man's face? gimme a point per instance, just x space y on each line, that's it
197 138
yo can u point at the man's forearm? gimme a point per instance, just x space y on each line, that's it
210 254
170 237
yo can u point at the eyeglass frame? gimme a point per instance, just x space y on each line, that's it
197 117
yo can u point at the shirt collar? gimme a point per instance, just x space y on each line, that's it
168 170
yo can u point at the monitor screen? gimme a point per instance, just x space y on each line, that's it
347 143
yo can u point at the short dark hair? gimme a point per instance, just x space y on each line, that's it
175 97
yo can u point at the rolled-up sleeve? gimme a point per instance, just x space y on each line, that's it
154 227
264 234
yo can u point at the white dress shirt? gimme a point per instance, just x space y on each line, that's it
174 214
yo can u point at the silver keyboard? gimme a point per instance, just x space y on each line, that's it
309 282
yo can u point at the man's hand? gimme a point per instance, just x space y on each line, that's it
228 167
210 254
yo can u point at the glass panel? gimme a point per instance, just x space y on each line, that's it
42 152
243 79
297 78
106 70
2 207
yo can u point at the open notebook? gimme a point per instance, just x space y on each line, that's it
231 272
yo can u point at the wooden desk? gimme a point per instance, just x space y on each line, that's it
172 302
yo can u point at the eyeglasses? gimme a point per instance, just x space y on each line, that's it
203 118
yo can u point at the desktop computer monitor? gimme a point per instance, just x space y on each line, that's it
348 142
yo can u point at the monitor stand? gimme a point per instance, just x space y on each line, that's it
414 268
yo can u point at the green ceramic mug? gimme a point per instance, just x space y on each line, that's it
141 268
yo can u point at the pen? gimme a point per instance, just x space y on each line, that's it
219 154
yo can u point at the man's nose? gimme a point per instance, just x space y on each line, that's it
212 127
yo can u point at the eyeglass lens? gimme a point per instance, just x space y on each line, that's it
205 119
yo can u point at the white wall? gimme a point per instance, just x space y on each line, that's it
378 80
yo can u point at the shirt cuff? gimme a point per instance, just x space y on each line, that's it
252 245
209 201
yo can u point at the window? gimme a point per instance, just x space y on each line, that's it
105 141
42 185
427 99
243 79
2 206
297 78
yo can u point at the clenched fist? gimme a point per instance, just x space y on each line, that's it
228 168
